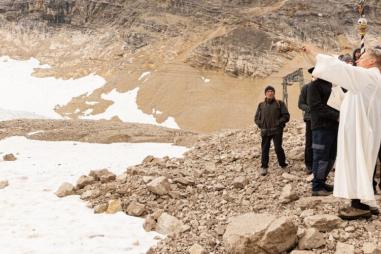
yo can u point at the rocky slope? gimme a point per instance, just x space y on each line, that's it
194 200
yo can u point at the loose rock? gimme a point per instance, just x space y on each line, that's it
64 190
9 157
159 186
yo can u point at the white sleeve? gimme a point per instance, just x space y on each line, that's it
350 77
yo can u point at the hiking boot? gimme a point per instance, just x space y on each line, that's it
351 213
263 171
321 193
328 187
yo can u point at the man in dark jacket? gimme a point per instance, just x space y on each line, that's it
324 126
302 104
271 117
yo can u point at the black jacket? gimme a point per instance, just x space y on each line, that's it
271 116
302 103
322 115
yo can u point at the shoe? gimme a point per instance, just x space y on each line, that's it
321 193
284 166
308 171
351 213
328 187
374 210
263 171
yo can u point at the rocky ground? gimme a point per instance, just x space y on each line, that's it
195 200
105 132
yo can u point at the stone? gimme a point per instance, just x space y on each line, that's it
308 202
101 208
135 209
149 223
307 213
371 248
9 157
122 178
102 175
147 179
343 248
219 187
148 159
240 182
167 224
301 252
3 184
350 229
296 154
312 239
323 222
197 249
64 190
184 181
84 181
159 186
279 236
290 176
114 206
259 233
89 194
288 194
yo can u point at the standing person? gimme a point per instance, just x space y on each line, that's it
360 128
271 117
302 104
324 126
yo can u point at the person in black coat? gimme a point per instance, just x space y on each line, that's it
302 104
271 117
324 126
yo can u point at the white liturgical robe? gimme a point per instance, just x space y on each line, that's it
359 134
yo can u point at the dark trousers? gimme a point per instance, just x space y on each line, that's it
277 140
308 146
374 174
324 144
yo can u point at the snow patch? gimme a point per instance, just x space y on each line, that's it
34 221
34 132
126 109
21 92
206 80
144 75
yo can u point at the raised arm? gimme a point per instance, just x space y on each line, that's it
352 78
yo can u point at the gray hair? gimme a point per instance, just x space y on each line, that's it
375 52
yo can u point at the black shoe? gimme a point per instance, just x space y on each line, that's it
308 170
321 193
284 165
328 187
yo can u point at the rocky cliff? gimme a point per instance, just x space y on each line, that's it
247 46
195 51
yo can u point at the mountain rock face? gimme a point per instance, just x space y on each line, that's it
245 47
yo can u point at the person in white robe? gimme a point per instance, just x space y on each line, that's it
359 134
